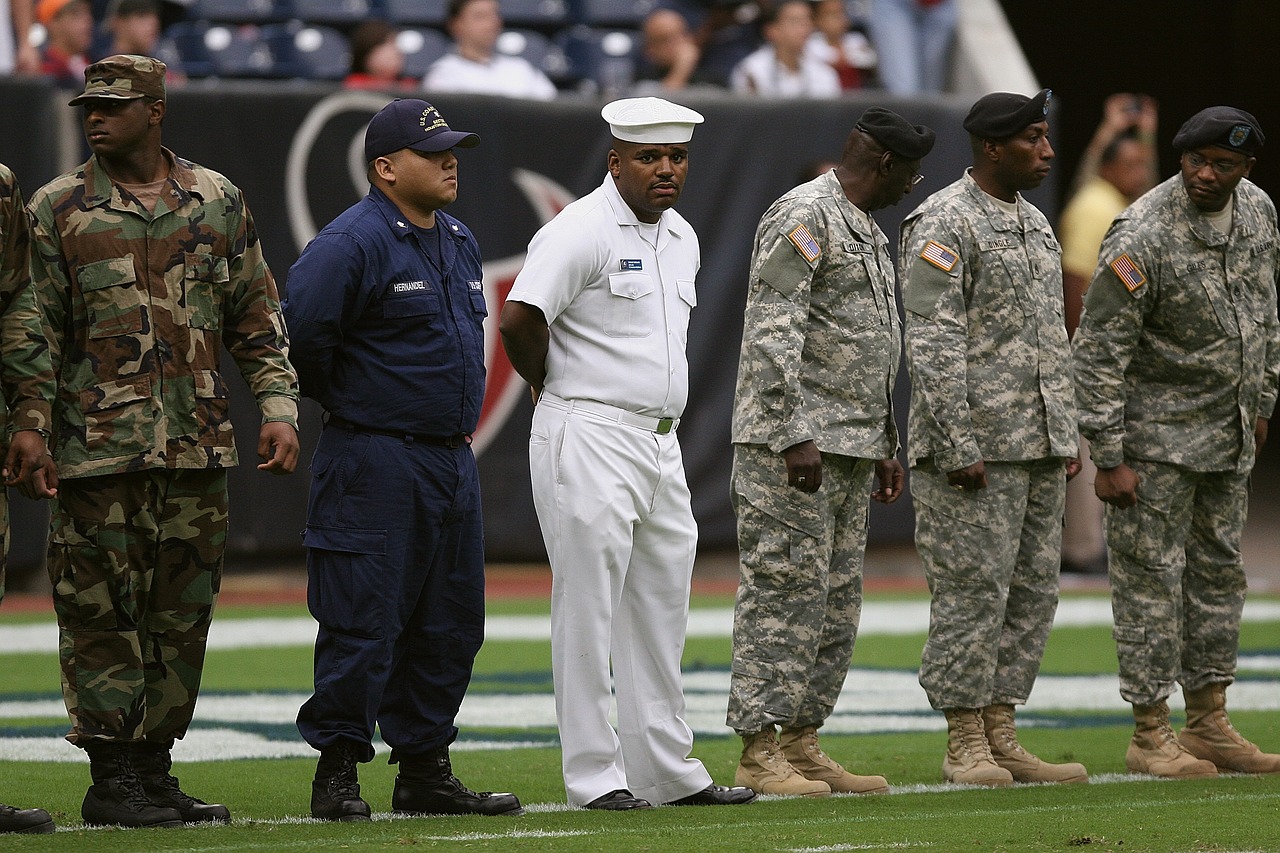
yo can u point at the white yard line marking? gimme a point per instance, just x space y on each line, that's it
879 618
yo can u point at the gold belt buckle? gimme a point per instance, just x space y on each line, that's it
665 425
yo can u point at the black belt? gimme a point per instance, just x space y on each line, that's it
452 441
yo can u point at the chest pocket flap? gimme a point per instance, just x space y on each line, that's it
112 300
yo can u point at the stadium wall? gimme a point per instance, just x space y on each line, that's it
295 151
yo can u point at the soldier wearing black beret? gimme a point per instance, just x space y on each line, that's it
814 442
991 436
1176 363
1000 115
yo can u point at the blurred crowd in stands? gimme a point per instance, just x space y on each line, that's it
538 49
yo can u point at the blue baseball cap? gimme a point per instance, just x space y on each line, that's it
412 123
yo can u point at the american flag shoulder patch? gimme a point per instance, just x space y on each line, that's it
1128 273
805 244
940 256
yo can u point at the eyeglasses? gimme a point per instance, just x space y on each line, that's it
916 179
1221 167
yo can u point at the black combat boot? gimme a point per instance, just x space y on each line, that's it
153 761
335 793
24 820
426 785
116 797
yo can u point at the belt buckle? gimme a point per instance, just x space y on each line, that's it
665 425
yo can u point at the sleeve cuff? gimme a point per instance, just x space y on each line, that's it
277 408
31 414
957 457
1106 454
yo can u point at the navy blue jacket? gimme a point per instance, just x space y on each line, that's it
378 335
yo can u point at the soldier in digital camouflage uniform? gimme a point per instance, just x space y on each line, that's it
991 436
1177 361
27 379
813 423
145 265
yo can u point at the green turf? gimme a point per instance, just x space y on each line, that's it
269 797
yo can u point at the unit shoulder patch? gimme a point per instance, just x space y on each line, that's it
805 244
940 256
1128 273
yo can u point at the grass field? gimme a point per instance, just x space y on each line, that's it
244 750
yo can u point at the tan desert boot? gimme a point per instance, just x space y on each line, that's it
1156 750
997 721
765 770
1210 735
800 748
968 760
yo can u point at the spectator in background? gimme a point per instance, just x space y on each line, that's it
16 51
914 39
474 67
1119 165
376 59
847 51
782 68
134 26
69 28
670 56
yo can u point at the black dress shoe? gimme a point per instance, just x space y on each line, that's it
620 800
716 795
35 821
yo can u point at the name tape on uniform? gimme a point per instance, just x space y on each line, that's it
940 256
805 244
627 264
1128 273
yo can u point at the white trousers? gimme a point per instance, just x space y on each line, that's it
615 514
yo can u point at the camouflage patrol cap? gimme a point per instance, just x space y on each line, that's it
123 77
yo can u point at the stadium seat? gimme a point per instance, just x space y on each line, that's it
541 52
616 13
415 13
308 51
238 11
185 41
545 15
339 13
421 47
601 60
222 50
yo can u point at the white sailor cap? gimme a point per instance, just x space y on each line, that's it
650 120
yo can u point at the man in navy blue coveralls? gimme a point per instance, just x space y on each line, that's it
385 310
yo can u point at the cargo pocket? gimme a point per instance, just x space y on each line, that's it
779 528
213 413
204 279
345 589
114 414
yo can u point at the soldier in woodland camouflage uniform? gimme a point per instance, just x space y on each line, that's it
27 378
1177 361
144 265
991 436
812 422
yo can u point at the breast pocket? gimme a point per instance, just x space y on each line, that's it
630 299
413 303
204 279
112 300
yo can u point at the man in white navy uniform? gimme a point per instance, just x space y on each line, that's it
597 324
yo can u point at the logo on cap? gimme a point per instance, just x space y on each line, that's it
1048 95
431 119
1238 135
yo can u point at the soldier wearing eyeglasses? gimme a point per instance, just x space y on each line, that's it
1176 363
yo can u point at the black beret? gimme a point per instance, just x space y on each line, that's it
897 134
1003 114
1225 127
